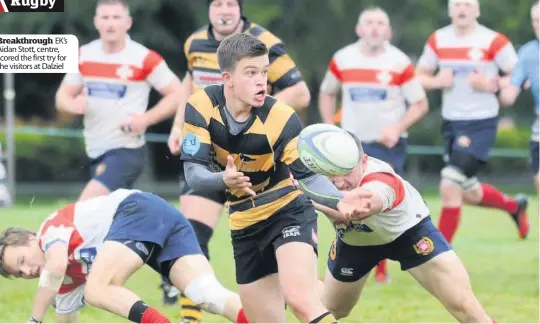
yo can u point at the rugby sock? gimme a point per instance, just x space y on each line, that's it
492 197
325 318
141 313
381 268
189 311
449 221
242 317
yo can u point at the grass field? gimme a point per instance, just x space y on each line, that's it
503 268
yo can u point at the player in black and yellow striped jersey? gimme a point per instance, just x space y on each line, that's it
285 82
273 225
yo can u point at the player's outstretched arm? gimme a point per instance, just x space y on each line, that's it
175 137
51 278
297 96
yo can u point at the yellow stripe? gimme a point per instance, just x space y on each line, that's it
201 133
192 313
282 184
243 219
185 301
269 39
203 60
221 155
257 128
290 153
202 104
280 67
275 122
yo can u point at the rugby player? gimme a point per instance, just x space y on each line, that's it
86 251
111 91
377 81
273 225
527 70
469 57
285 83
398 227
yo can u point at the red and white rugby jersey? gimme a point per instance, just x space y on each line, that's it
374 89
83 226
484 50
118 84
406 209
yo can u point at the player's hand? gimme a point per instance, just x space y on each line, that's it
445 78
390 136
80 103
236 180
175 141
479 82
355 204
135 125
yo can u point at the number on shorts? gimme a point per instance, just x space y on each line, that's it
87 257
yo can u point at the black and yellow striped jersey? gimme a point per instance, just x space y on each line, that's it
265 151
201 54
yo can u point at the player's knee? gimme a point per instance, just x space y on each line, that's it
461 171
206 292
300 303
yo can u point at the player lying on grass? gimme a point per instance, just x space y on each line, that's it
86 251
397 227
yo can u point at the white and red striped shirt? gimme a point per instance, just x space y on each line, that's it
484 50
83 226
118 84
375 89
403 208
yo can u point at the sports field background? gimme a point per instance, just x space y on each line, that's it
503 268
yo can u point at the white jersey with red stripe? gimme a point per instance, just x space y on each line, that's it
403 208
375 89
483 50
83 226
118 85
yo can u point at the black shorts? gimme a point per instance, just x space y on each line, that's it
185 190
255 246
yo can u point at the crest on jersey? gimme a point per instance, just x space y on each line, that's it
425 246
464 141
384 77
476 54
333 251
124 72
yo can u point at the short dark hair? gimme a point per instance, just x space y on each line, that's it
110 2
12 236
236 47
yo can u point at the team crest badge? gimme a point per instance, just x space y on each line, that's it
464 141
384 77
333 251
101 169
425 246
476 54
124 72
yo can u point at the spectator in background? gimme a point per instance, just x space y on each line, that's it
377 81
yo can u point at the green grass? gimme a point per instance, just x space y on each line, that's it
503 269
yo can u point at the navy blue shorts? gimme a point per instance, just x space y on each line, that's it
119 168
474 137
145 217
394 156
534 156
416 246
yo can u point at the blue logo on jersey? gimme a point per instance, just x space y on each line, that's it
191 144
363 94
460 70
106 90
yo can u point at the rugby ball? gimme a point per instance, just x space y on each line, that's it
327 150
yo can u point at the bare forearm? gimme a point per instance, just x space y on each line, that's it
415 112
327 107
429 82
164 109
296 96
64 102
187 87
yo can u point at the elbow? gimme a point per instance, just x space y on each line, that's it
303 96
423 107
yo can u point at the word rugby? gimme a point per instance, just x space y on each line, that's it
31 5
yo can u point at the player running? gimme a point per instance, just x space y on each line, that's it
285 83
111 90
86 251
527 70
397 226
377 81
273 225
469 56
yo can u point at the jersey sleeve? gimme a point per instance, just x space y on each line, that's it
387 186
157 71
503 52
70 302
285 148
54 233
282 72
74 78
519 74
332 79
410 86
429 59
187 46
196 144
